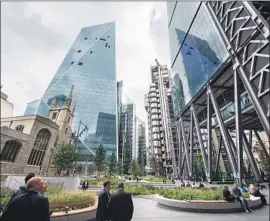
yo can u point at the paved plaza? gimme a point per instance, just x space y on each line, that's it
147 210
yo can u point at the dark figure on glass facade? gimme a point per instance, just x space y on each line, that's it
121 205
104 197
30 206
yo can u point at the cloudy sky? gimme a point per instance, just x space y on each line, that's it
36 37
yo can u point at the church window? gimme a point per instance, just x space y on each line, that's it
40 145
10 151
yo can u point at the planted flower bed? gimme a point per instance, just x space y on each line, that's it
59 198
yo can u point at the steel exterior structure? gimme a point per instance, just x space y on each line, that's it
235 99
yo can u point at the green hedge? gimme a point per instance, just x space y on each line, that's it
180 193
55 194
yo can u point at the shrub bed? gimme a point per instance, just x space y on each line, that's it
100 181
180 193
156 179
57 196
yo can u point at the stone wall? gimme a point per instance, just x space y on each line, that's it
19 165
32 125
70 183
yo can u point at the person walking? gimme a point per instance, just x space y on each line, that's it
238 196
22 189
29 206
121 205
103 212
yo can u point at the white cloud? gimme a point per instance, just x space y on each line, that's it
36 37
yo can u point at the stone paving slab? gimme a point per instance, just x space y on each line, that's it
147 210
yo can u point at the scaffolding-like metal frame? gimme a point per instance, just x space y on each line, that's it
246 35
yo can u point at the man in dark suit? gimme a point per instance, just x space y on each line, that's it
103 213
29 206
121 205
22 189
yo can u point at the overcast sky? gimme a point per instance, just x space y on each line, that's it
36 37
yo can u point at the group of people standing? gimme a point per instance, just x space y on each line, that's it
236 195
28 203
116 207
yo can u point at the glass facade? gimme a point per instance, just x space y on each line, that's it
90 66
197 49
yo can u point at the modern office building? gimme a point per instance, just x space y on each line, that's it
161 129
141 151
219 65
127 135
90 67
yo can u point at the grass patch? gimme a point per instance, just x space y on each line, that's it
156 179
100 181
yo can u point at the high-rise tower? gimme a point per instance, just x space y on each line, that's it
90 66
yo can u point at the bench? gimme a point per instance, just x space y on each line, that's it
205 206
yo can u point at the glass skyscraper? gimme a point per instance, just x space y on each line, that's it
196 47
90 67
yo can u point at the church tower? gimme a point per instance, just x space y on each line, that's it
63 117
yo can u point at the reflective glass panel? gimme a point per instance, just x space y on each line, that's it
90 67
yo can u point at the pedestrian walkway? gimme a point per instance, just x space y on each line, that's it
147 210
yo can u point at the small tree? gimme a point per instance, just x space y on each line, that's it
112 164
119 168
99 159
64 156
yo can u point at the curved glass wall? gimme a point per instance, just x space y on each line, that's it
90 67
197 50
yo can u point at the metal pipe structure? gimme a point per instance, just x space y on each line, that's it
251 159
197 127
191 144
209 139
238 125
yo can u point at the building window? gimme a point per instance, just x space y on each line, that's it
109 46
85 38
108 36
10 151
72 63
54 116
19 128
40 146
102 39
80 63
66 131
79 51
106 45
91 52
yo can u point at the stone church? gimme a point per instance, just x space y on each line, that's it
27 142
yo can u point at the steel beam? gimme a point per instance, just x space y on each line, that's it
261 144
198 130
245 72
185 145
238 127
251 159
209 138
191 144
223 132
218 156
180 148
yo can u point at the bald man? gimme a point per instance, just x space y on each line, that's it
30 206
